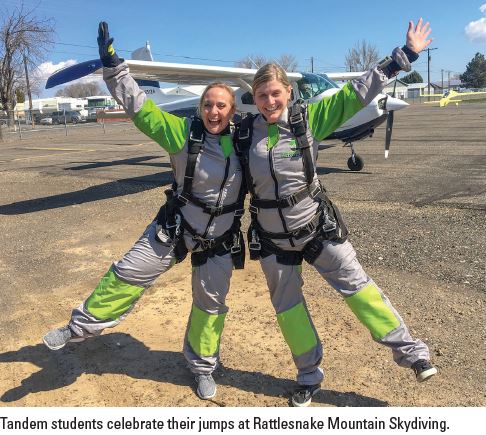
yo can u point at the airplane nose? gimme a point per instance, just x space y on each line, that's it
395 103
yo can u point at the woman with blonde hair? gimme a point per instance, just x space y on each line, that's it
293 219
201 215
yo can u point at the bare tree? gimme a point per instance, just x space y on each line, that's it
252 61
23 38
287 61
361 57
79 90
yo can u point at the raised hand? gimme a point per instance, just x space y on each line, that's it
418 36
108 56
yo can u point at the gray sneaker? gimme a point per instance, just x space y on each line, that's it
423 370
59 337
302 395
206 387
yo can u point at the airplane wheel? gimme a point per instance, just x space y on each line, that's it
357 165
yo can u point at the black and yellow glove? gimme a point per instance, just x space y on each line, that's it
108 56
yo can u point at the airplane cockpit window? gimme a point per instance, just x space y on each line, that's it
247 98
311 85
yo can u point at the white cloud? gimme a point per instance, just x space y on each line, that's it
44 70
476 30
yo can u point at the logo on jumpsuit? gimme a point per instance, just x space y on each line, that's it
294 151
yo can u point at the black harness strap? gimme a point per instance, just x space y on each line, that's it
287 201
298 127
298 233
195 141
213 210
243 136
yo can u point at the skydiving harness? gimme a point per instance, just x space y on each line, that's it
327 222
170 219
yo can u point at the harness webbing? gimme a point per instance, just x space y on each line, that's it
324 219
243 138
196 139
298 127
195 142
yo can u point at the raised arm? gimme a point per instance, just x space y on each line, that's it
328 114
168 130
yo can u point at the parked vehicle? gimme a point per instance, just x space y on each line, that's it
45 121
72 117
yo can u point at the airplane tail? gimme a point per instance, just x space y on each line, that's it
150 87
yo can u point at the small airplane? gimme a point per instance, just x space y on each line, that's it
309 87
451 96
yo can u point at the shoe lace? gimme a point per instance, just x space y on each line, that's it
200 378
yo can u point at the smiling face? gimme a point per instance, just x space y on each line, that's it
271 99
217 109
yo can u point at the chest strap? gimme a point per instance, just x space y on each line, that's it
311 191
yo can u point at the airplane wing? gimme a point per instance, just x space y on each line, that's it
194 74
166 72
344 76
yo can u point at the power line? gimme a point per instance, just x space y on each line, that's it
157 54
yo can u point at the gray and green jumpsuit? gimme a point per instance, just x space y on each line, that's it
217 181
277 171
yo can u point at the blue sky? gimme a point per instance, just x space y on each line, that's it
222 32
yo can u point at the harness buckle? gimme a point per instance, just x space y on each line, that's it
255 246
308 228
315 191
329 224
205 243
182 199
296 119
178 221
215 210
235 249
244 134
253 209
291 200
195 139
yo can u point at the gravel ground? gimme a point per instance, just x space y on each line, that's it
70 205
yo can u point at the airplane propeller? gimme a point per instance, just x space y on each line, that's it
389 123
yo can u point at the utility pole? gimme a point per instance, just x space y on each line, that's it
442 74
448 79
27 82
428 69
312 64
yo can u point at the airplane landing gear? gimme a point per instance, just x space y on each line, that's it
355 162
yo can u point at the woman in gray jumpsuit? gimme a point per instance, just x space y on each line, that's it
201 215
293 219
